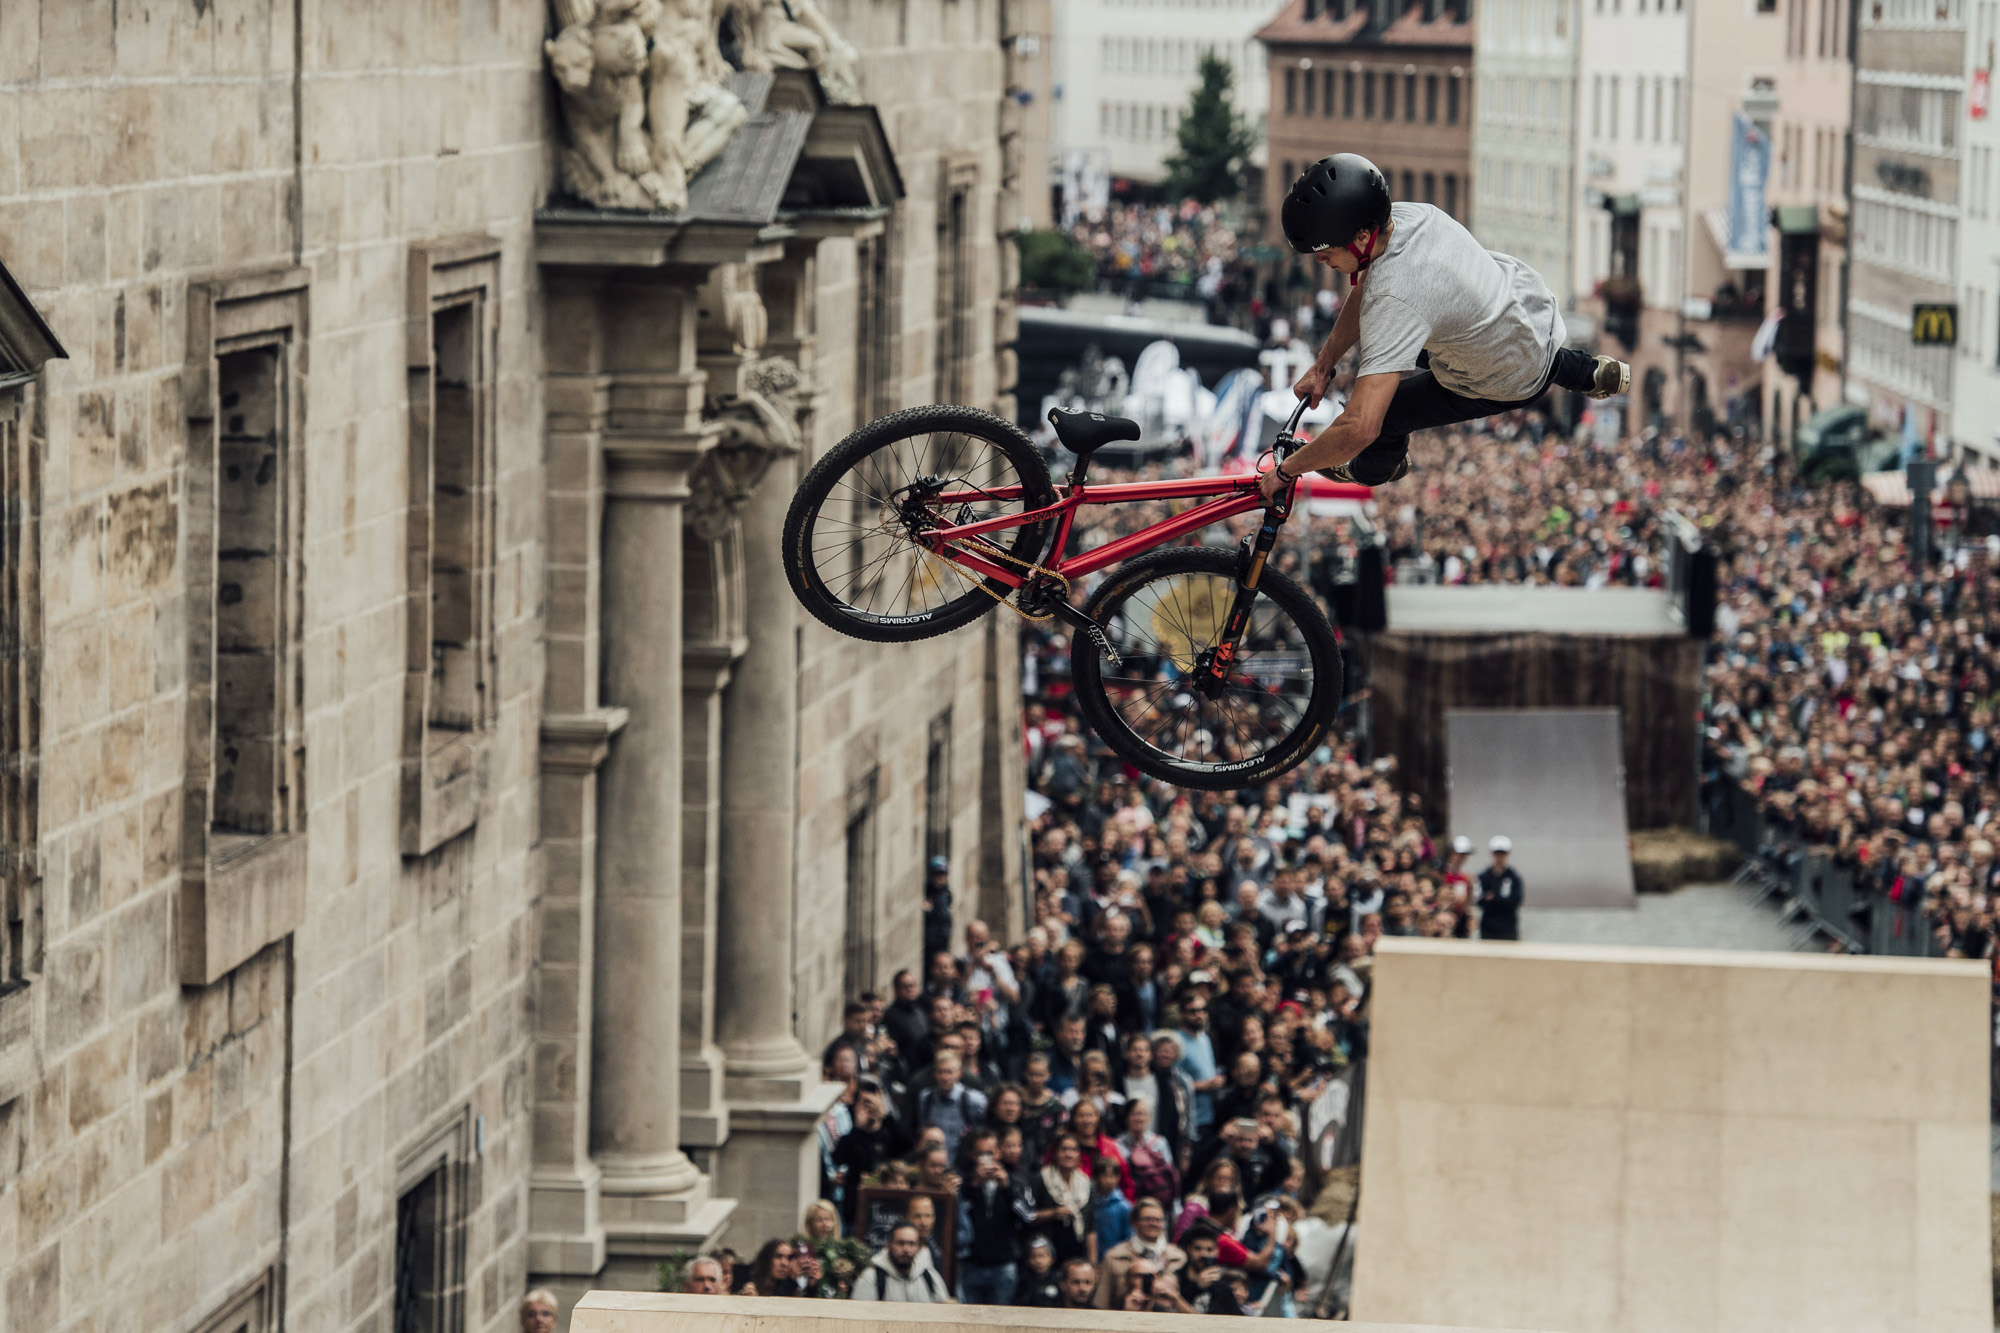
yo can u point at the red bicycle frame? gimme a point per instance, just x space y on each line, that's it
1236 492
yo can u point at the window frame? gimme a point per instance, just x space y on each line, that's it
238 896
444 769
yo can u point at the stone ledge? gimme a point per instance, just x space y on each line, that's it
17 1041
579 742
658 1312
244 898
749 1116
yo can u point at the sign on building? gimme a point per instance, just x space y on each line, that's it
1749 171
1934 324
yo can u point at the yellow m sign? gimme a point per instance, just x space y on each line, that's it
1934 325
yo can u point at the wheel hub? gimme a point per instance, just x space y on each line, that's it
913 506
1211 671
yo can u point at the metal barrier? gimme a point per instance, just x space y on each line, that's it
1823 897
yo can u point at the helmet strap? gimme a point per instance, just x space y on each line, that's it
1364 251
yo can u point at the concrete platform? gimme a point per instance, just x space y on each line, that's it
1614 1140
1489 608
1694 916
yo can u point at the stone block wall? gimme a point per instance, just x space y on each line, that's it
145 148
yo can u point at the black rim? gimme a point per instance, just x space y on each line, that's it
1165 629
860 544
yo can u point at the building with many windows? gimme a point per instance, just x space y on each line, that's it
1976 379
1524 136
1389 79
1630 206
1909 111
434 846
1807 191
1125 70
1675 103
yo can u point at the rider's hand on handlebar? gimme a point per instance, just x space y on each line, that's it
1272 485
1312 385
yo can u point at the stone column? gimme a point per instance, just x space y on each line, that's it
712 584
566 1241
635 1115
653 1198
775 1094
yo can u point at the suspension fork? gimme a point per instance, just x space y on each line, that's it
1249 572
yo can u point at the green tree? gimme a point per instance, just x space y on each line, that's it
1214 142
1052 262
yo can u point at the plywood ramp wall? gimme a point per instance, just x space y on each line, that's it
1601 1140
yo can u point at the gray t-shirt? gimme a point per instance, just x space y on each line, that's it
1489 321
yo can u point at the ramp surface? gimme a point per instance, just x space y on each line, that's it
1553 780
1608 1140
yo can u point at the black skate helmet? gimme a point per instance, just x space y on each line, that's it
1333 201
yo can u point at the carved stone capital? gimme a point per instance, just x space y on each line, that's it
654 467
578 742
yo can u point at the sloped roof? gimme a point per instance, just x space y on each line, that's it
1292 28
26 340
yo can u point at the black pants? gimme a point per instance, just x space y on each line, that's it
1421 403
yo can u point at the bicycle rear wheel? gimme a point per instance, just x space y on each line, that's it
1163 612
850 548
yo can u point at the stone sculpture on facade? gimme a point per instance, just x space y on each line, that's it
643 87
690 113
795 34
759 426
599 63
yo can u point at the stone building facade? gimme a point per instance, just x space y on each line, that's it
433 841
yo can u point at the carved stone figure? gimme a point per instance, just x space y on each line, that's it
691 114
644 92
759 426
599 64
795 34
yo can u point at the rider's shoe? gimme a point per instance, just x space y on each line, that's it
1340 472
1613 377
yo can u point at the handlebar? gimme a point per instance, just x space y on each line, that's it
1298 415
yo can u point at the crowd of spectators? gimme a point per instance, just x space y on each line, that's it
1183 250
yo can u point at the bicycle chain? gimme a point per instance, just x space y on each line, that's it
1013 560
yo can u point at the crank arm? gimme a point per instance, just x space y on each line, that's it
1076 619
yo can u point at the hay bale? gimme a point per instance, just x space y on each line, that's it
1665 859
1337 1191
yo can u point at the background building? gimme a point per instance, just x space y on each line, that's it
1125 70
1910 70
1808 193
1675 101
1390 80
433 841
1524 137
1976 381
1632 119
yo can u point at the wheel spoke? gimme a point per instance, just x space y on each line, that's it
861 541
1163 625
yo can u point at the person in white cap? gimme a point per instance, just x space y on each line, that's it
1500 894
1458 884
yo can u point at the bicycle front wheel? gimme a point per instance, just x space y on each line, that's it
1165 614
850 538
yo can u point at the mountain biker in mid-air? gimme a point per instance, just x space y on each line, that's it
1427 295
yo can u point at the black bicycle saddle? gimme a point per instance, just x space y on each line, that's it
1084 433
